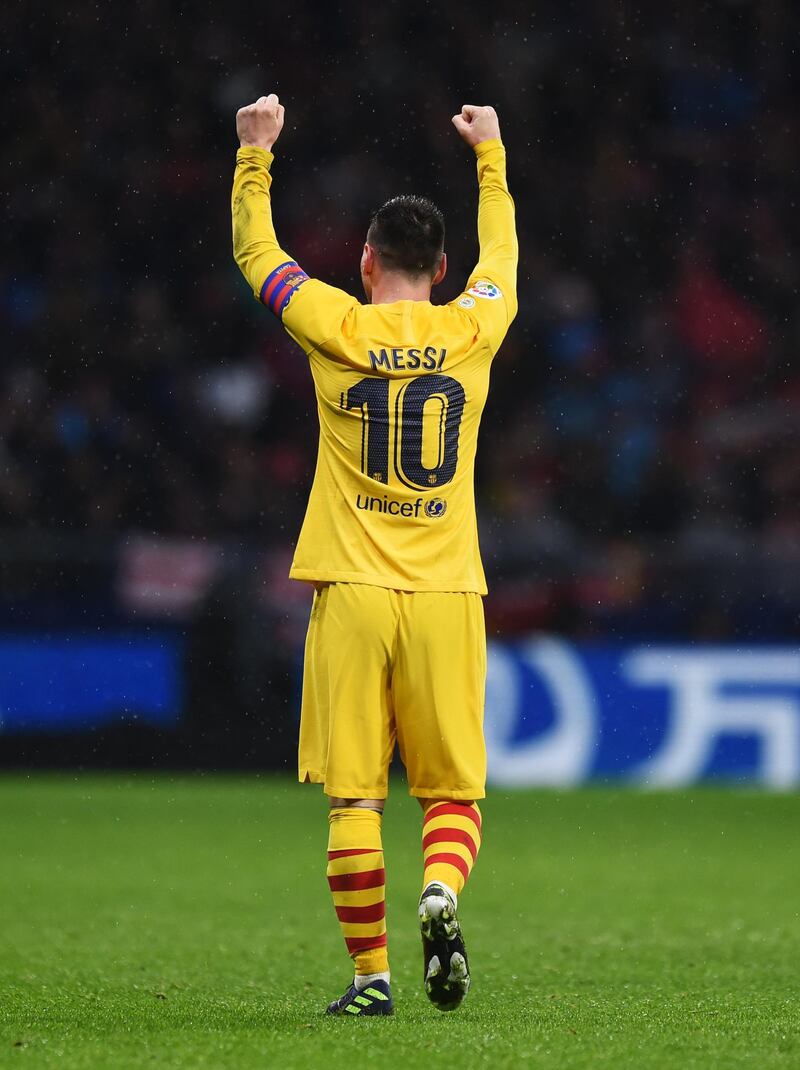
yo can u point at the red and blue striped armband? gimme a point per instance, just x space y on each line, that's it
280 284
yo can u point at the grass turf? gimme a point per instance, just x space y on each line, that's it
161 922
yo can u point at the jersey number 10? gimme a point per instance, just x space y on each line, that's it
371 396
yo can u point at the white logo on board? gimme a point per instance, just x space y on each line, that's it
703 710
562 754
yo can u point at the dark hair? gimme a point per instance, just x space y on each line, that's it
407 234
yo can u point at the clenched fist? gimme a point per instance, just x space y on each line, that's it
260 124
477 124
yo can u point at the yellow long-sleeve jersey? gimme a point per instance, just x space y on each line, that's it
400 390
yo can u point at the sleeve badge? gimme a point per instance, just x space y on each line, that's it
487 290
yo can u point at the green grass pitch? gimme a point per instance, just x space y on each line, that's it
153 921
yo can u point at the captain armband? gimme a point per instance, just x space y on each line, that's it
280 284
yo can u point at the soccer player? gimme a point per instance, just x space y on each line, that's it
396 646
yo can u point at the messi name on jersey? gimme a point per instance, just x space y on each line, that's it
429 359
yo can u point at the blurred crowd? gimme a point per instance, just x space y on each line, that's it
639 469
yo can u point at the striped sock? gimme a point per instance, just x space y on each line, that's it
357 880
451 838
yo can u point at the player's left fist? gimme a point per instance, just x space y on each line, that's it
260 124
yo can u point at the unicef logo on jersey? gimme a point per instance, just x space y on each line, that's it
435 508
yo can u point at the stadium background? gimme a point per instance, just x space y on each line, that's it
638 490
639 476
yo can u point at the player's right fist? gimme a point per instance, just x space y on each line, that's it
260 124
477 124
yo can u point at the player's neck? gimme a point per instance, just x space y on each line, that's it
391 288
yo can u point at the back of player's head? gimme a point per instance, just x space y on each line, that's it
407 234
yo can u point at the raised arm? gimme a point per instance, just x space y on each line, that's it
493 282
319 310
271 272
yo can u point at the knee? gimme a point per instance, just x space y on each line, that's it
363 804
425 803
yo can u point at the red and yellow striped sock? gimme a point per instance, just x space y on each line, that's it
357 880
451 839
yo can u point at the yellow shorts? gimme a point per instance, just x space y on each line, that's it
387 666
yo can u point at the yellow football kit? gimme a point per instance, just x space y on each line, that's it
400 390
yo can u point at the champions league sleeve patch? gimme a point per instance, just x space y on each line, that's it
280 284
487 290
